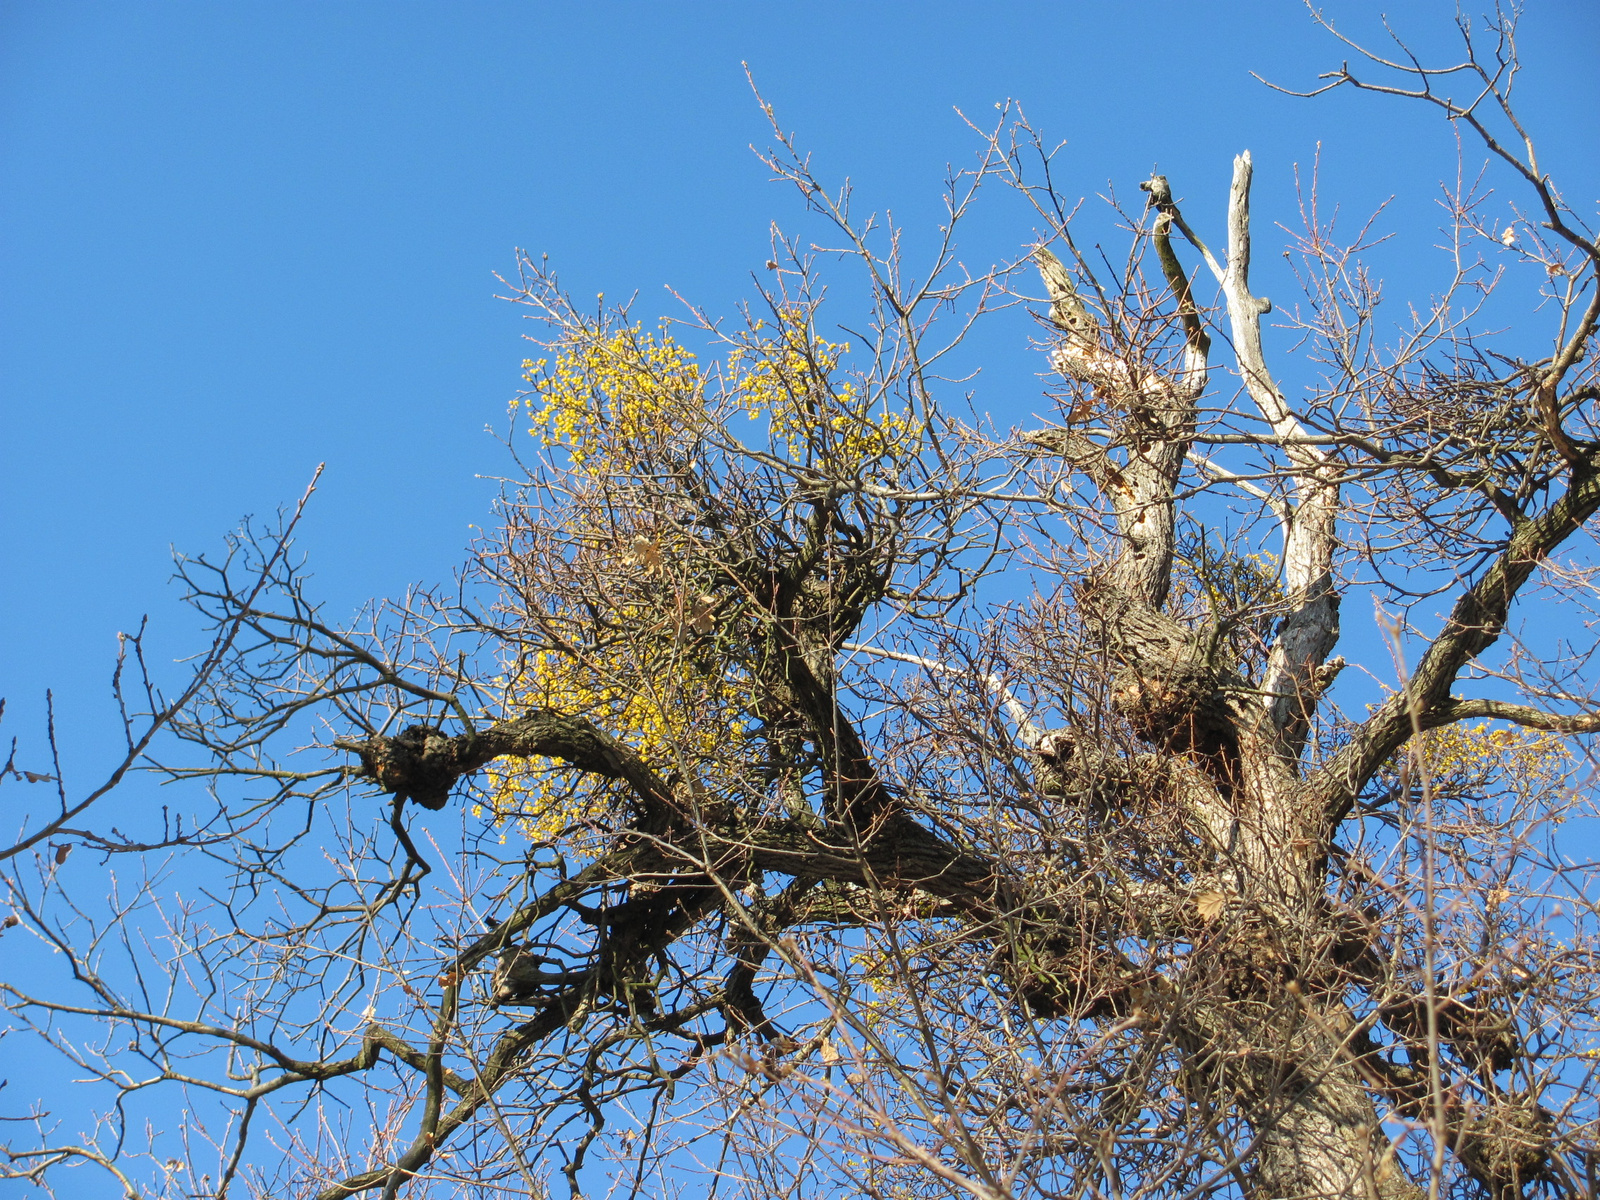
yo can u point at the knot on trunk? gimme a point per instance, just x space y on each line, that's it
1173 684
1098 779
1059 979
1046 961
1179 710
1056 764
1478 1032
1508 1147
523 977
419 764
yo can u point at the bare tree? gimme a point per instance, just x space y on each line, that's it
838 795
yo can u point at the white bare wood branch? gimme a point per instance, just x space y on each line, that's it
1311 628
1029 734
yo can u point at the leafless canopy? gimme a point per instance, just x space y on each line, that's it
809 789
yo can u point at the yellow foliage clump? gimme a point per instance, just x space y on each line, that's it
612 393
1462 759
613 390
611 398
786 377
679 719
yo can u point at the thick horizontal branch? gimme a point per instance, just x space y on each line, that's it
1516 714
901 854
423 763
378 1036
1475 623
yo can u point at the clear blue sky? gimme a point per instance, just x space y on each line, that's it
239 239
